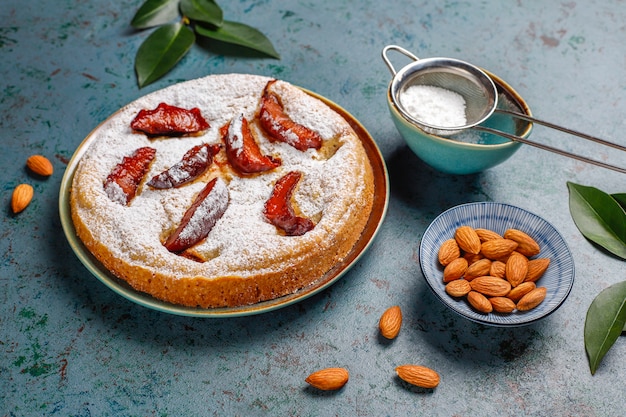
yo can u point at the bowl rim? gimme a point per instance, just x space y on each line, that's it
490 319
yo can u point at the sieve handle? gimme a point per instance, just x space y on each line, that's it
561 128
550 148
399 49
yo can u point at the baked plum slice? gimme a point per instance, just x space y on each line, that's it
280 127
166 120
194 163
122 183
242 151
200 218
279 211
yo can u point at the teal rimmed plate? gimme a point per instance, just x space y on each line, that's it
381 201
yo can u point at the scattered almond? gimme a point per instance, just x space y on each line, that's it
536 268
479 302
467 239
491 286
502 304
479 268
532 299
390 322
21 198
448 252
454 270
516 268
328 379
527 246
458 288
418 375
521 290
40 165
498 248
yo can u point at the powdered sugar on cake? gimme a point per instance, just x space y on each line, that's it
241 237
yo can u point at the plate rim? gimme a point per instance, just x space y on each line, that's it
477 317
119 286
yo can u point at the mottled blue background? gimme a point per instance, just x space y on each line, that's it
69 346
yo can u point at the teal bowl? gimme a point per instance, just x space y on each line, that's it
468 152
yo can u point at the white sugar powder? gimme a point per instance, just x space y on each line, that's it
434 106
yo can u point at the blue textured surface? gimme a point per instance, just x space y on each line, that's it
70 346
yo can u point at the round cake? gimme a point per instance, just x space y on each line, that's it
257 191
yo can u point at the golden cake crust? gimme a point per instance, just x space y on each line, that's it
245 259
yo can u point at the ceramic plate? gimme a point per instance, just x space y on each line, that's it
558 278
381 200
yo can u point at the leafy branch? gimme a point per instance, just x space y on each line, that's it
181 23
601 218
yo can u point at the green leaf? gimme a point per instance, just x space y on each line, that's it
161 51
621 199
240 34
599 218
206 11
154 13
605 320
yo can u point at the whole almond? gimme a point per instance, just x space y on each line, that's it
536 268
418 375
479 302
473 257
532 299
448 252
527 246
497 269
467 239
458 288
491 286
455 270
390 322
40 165
502 304
328 379
21 198
521 290
486 234
516 268
498 248
479 268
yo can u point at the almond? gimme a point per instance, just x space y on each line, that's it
486 234
527 246
498 248
448 252
418 375
454 270
479 302
521 290
21 198
473 257
467 239
491 286
40 165
516 269
497 269
458 288
328 379
390 322
479 268
502 304
532 299
536 268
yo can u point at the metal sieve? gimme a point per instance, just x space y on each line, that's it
481 100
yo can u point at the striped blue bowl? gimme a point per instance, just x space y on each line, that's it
558 278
